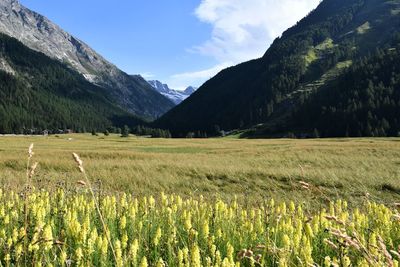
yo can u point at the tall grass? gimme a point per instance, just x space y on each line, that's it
352 169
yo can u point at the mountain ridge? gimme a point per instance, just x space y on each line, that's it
38 33
317 50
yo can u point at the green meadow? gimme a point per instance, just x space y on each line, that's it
249 170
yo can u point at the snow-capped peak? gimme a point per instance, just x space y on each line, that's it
175 95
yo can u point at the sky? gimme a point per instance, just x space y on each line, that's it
179 42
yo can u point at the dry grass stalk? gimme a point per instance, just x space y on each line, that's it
394 252
83 183
396 216
304 185
30 151
331 244
389 258
335 219
87 183
30 171
347 239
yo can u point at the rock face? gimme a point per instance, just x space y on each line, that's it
38 33
176 96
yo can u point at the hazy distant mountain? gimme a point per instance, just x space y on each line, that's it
175 95
132 93
332 74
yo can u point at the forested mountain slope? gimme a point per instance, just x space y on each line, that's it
309 56
38 93
365 101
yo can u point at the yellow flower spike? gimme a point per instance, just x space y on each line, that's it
124 241
78 254
143 262
283 262
15 235
9 242
226 263
188 222
327 261
309 230
152 202
180 258
292 207
230 253
218 259
47 237
160 263
208 262
133 251
286 242
164 200
122 223
118 253
157 236
346 261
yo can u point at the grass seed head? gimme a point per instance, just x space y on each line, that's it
304 185
30 151
79 162
331 244
82 183
32 170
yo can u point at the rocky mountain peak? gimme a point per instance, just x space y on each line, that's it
190 90
37 32
10 5
175 95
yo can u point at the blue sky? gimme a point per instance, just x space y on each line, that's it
179 42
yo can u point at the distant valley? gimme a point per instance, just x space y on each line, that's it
333 74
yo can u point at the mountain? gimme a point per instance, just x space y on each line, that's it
131 93
176 96
39 93
304 84
190 90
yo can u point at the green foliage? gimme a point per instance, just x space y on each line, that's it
153 132
125 131
365 101
45 94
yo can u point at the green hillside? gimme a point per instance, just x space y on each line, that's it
364 101
38 93
315 52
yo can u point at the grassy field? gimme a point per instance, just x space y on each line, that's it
227 202
351 169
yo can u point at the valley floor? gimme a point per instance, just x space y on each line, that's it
353 169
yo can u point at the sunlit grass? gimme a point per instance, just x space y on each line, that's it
250 169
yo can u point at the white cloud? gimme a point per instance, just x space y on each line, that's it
182 80
147 75
241 30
